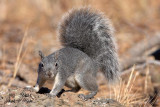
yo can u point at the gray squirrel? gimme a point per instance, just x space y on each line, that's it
88 47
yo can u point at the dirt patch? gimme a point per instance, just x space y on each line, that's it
23 97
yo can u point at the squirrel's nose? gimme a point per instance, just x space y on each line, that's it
49 73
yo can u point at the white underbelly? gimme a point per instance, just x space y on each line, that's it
71 82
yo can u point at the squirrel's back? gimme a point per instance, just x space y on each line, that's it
91 33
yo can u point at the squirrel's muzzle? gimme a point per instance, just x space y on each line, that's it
49 74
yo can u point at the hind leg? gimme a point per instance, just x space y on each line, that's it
75 89
60 93
88 82
72 90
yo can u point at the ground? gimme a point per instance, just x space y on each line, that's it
139 88
26 29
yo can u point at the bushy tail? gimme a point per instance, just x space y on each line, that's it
91 33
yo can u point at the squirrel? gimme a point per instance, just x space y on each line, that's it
89 46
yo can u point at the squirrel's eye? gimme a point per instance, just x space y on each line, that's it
41 65
56 64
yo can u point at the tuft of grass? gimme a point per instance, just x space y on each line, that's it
148 87
124 94
19 58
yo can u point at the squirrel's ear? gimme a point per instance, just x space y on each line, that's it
41 54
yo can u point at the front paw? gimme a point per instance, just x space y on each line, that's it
35 89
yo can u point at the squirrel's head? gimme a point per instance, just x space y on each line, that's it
48 66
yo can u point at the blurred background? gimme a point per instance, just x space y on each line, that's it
27 26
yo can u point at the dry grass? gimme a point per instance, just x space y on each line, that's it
148 87
130 18
19 58
124 94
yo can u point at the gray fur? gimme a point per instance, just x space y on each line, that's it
91 33
70 67
89 46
